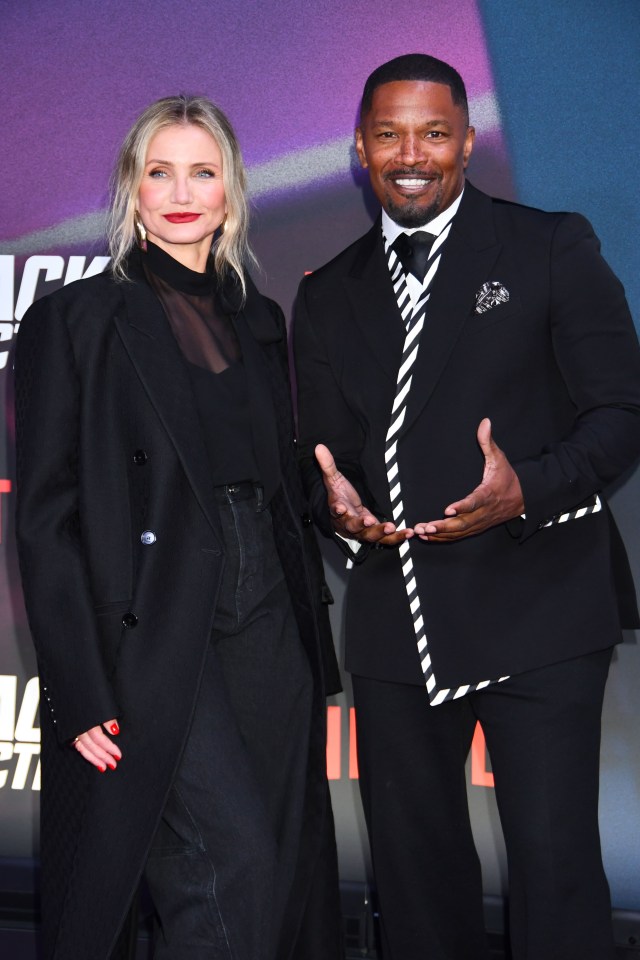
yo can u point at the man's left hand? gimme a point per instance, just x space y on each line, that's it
498 498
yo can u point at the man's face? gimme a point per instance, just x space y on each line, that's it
416 145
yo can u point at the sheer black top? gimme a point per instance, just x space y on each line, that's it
204 331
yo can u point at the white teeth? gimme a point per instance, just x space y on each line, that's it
414 182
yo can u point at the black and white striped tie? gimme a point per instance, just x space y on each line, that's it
413 315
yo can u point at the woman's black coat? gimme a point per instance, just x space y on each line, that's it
110 446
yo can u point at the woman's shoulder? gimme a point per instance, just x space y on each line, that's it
80 314
97 289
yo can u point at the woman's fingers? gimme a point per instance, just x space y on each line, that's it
99 758
113 727
97 748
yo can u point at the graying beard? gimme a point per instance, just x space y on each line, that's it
409 216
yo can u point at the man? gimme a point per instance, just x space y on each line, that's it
472 367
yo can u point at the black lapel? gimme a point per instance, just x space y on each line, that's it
373 302
254 325
148 339
468 254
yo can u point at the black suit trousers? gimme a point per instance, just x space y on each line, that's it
543 734
224 858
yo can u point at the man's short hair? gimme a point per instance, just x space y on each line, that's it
416 66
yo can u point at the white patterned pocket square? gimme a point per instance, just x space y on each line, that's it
490 295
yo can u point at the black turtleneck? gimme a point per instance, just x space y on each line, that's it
195 308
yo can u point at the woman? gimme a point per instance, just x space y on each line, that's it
172 583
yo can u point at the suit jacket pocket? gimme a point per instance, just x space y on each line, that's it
503 312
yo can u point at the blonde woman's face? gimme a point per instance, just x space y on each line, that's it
181 199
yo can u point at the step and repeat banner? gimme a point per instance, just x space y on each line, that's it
551 131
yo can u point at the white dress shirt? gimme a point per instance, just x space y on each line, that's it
391 230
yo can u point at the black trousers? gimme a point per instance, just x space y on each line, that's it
222 864
543 734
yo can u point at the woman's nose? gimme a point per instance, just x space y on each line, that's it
181 190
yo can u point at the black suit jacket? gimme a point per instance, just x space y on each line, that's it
109 445
556 368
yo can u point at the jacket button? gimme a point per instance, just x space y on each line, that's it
129 621
306 520
140 458
148 537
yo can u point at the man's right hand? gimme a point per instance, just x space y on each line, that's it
351 519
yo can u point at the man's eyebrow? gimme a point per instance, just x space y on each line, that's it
438 122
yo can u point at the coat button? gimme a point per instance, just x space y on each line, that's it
306 520
140 458
129 621
148 537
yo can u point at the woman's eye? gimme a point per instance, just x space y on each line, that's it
206 173
157 174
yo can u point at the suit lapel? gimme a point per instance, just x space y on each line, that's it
468 255
156 357
373 303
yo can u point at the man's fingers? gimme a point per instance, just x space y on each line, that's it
325 461
356 525
468 505
485 440
350 516
386 534
459 525
392 539
484 433
375 532
341 510
444 530
496 499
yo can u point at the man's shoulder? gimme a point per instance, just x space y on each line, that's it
526 217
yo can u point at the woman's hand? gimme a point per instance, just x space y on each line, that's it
96 747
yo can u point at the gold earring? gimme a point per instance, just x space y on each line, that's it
139 230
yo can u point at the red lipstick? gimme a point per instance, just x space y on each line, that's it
181 217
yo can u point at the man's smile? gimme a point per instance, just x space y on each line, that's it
410 182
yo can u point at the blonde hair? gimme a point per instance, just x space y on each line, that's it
231 250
